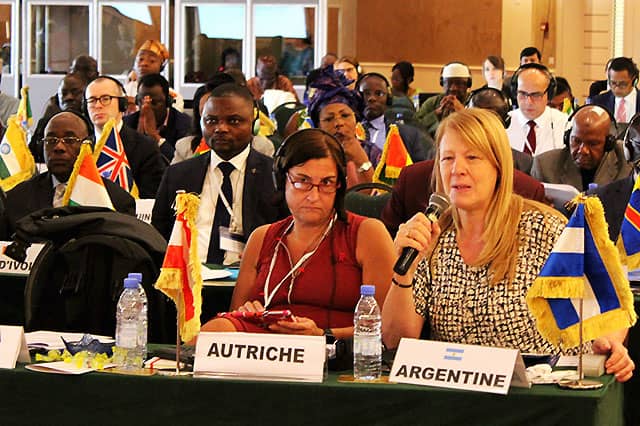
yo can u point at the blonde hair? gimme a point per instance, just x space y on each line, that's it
483 131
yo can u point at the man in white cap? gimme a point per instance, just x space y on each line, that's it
455 79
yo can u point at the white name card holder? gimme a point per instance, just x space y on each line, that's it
456 366
253 356
13 346
144 207
9 266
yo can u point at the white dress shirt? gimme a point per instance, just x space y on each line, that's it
550 127
209 198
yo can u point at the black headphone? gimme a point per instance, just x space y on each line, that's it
380 76
506 118
280 156
610 140
469 80
550 90
123 102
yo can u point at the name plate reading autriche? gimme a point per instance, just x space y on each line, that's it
451 365
144 207
9 266
282 357
13 346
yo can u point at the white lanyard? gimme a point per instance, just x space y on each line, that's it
268 296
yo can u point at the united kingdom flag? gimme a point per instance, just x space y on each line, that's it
111 159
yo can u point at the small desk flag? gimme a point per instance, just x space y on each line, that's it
584 263
85 186
180 277
394 157
629 240
24 114
16 161
112 161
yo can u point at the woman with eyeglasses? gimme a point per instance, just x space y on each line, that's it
314 261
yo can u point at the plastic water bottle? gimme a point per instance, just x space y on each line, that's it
130 328
143 313
367 336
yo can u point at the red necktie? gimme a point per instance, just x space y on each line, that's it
621 115
531 138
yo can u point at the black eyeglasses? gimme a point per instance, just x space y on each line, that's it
104 100
326 185
52 141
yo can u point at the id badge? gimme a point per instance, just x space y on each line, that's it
231 241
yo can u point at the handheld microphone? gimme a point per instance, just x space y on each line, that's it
438 203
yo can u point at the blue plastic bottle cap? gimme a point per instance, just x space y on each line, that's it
130 283
593 186
136 275
367 290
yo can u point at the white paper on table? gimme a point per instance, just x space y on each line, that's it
62 367
52 339
214 274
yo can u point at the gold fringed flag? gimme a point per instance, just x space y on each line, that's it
585 264
85 186
267 126
394 157
629 240
16 161
24 114
361 133
112 161
180 277
567 106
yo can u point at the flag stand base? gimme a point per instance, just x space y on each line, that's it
581 384
174 373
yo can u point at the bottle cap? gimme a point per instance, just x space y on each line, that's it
136 275
367 290
130 283
593 186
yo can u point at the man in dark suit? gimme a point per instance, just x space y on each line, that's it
413 188
622 98
376 93
105 98
591 153
63 137
156 117
233 180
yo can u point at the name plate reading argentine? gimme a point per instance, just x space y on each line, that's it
251 356
9 266
13 346
452 365
144 207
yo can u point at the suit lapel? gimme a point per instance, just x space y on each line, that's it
570 173
250 192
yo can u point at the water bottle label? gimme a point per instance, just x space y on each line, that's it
367 346
127 336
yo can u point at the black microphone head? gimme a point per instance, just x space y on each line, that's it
438 203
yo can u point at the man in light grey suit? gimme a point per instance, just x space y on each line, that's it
591 153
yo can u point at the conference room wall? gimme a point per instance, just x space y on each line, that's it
577 44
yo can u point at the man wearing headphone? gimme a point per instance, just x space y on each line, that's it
156 117
622 98
535 127
591 153
233 180
615 196
105 98
376 94
63 137
455 79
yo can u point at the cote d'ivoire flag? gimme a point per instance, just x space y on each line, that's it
85 186
585 264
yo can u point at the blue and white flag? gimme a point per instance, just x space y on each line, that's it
629 240
584 264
